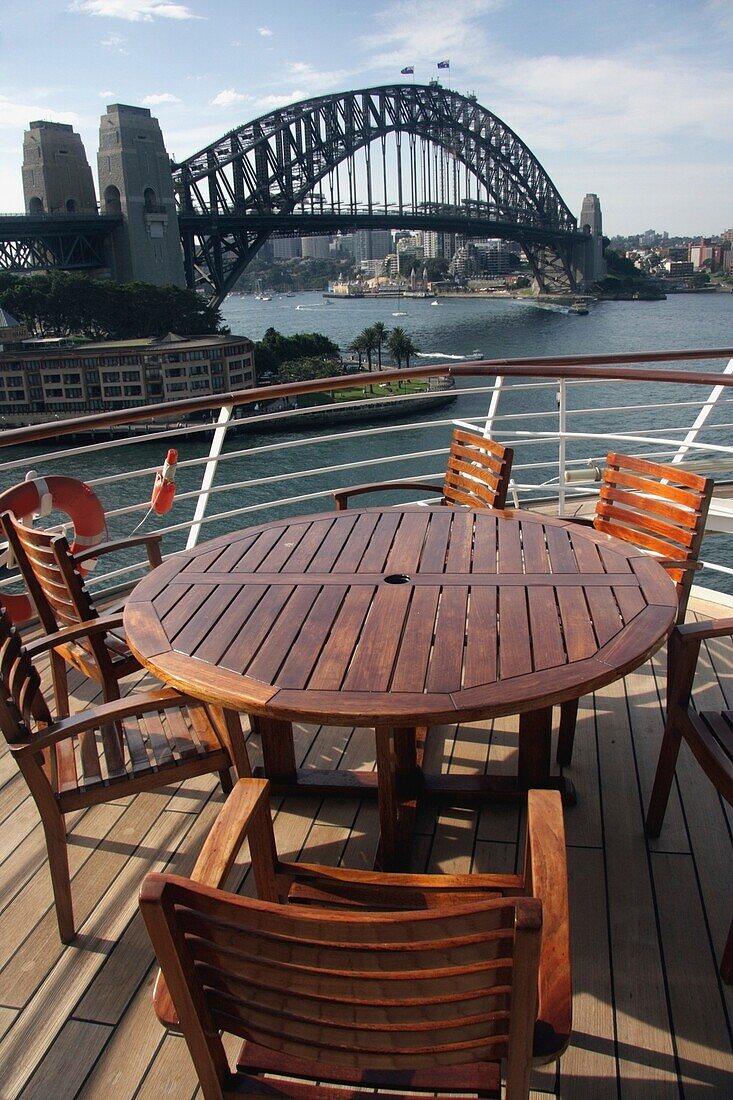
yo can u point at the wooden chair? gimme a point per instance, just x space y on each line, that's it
145 741
362 978
477 474
709 735
658 508
57 589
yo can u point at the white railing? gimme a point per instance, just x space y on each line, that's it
554 431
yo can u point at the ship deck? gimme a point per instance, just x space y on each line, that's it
649 919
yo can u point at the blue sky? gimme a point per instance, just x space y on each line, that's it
632 99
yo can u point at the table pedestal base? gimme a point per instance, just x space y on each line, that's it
399 781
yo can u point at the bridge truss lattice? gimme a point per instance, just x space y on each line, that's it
402 156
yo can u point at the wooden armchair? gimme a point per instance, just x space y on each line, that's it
142 742
658 508
709 735
57 589
362 978
477 474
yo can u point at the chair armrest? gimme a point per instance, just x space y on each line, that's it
341 496
95 717
245 814
101 625
689 633
547 879
684 566
151 542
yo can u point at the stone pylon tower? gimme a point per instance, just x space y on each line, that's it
590 264
57 178
135 181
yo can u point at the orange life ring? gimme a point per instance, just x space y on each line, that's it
65 494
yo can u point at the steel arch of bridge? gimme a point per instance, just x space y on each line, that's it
296 172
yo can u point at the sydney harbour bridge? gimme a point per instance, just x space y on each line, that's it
401 156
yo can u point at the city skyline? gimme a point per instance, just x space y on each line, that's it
631 101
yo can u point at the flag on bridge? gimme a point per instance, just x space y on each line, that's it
408 71
444 64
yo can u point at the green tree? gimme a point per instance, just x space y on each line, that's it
380 331
357 346
369 342
401 346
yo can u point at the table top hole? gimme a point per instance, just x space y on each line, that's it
397 578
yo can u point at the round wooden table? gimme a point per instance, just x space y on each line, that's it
401 619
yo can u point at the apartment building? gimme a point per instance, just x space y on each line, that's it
61 377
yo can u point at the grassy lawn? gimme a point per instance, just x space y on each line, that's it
360 393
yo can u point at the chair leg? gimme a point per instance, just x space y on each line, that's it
726 963
663 778
225 778
566 735
58 862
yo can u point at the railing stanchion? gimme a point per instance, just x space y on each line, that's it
702 417
217 445
493 406
562 417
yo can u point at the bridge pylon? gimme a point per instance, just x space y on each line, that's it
135 182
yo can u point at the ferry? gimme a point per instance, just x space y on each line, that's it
649 917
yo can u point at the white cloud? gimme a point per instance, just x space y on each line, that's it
161 97
133 11
414 31
113 42
228 97
105 95
14 114
265 32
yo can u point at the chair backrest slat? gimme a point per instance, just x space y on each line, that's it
477 471
23 707
56 587
373 990
657 508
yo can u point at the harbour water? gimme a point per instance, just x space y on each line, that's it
453 331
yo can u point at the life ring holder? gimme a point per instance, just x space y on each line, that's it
36 497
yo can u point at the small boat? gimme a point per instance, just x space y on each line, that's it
475 354
265 298
435 302
578 308
290 294
400 313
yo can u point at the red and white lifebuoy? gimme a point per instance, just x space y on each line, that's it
37 496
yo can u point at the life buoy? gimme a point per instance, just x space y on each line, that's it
37 496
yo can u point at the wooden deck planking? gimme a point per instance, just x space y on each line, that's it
78 1023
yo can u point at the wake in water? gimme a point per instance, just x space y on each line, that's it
437 355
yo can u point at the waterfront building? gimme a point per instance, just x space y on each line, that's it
43 378
11 330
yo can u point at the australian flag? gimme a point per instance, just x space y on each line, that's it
408 71
444 64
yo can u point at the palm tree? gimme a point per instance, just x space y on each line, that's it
408 349
369 344
380 331
401 346
395 343
357 345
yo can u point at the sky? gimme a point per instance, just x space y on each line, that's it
630 99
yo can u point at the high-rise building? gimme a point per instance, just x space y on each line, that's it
372 244
315 248
286 248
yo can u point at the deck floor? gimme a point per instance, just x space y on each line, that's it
651 1017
